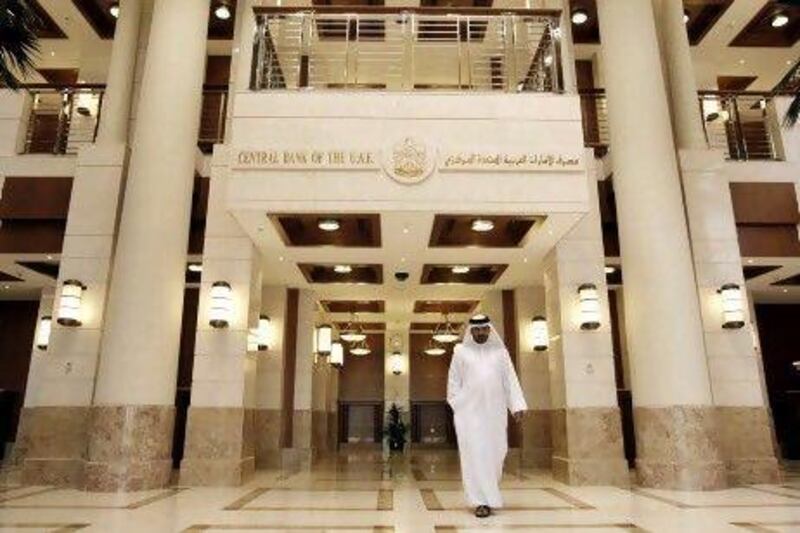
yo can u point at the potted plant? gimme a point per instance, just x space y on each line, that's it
19 43
395 430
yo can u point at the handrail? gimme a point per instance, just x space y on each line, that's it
421 10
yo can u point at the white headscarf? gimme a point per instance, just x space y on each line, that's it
494 340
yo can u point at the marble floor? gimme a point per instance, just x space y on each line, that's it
421 494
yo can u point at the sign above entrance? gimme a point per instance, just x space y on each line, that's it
408 161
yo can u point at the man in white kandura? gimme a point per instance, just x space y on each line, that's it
481 386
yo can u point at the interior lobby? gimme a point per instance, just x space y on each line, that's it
237 237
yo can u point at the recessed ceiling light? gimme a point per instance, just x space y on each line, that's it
460 269
405 230
779 20
785 291
610 269
749 261
195 267
685 16
329 224
742 61
222 12
114 10
580 16
548 60
281 259
49 257
342 269
6 287
482 225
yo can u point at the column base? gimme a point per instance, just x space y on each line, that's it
268 438
297 458
130 448
587 447
220 447
221 472
51 445
537 441
677 448
746 444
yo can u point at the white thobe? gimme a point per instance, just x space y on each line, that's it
481 386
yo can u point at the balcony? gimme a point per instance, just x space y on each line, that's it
60 120
744 125
399 49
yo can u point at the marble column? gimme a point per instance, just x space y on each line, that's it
220 431
397 388
269 392
673 406
301 453
585 420
133 413
534 375
55 419
743 418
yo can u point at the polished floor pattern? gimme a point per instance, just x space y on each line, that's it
362 493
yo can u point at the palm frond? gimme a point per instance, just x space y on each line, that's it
792 115
791 82
19 43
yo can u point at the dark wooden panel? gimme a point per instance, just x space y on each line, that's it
445 306
32 236
59 76
510 338
35 198
48 28
791 281
584 71
97 14
764 203
361 377
760 33
478 274
370 274
703 14
191 297
751 272
8 277
780 338
735 83
456 230
428 374
219 29
768 240
589 31
197 225
360 231
289 362
353 306
17 328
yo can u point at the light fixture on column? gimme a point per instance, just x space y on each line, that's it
396 363
222 11
221 311
43 333
540 337
361 349
259 337
113 10
324 339
337 355
589 302
69 309
732 306
580 16
434 349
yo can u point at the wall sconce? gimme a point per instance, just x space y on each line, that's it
590 306
337 355
43 333
732 306
324 339
540 337
221 305
259 338
396 363
69 310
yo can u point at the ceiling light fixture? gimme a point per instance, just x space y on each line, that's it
446 333
342 269
580 16
685 16
222 12
352 331
610 269
329 224
361 349
195 267
482 225
779 20
434 349
113 10
460 269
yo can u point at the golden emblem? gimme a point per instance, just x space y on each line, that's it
409 159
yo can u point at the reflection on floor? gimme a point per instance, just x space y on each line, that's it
361 492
